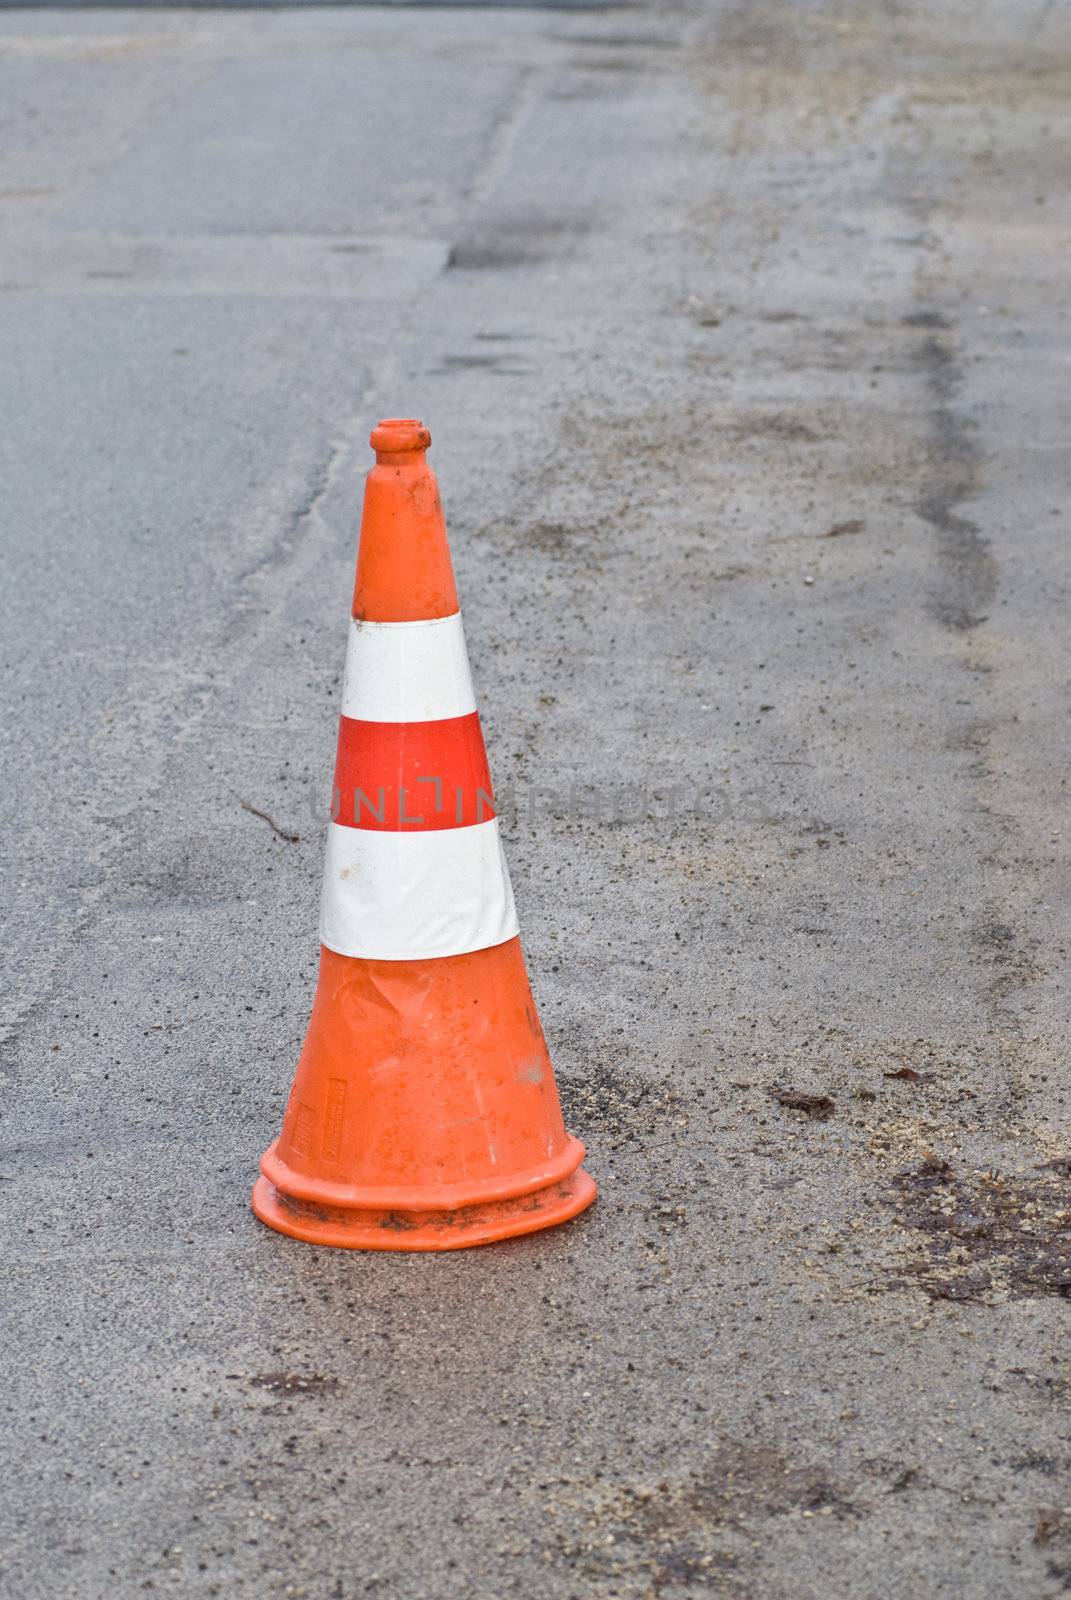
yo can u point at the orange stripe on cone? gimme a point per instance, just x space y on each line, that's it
398 775
424 1113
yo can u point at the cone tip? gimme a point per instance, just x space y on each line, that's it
398 436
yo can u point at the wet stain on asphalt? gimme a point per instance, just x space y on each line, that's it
968 583
985 1237
291 1385
701 1531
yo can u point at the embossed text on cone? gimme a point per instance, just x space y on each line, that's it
424 1113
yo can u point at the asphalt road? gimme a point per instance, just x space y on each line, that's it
742 332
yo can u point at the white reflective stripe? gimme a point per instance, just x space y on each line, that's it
410 896
407 671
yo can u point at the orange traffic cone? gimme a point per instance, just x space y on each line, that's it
424 1113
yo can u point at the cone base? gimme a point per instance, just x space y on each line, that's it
426 1229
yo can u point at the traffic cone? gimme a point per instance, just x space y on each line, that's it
424 1113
